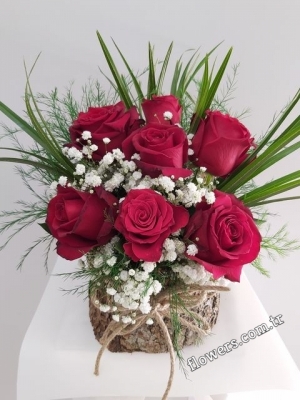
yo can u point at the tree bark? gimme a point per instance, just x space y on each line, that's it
149 338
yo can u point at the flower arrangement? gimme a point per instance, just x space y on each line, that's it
154 194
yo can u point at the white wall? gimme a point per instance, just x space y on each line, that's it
265 36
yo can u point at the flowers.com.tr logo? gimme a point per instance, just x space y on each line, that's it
227 347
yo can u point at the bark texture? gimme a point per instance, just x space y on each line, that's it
149 338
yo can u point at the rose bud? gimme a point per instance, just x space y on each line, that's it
220 144
162 110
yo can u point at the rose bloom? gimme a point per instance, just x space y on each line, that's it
113 122
80 220
146 219
163 149
225 235
155 109
221 143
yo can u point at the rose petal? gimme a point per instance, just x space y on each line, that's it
71 253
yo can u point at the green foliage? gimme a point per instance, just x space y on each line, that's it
89 277
275 245
277 186
49 117
175 310
38 165
278 243
47 122
208 90
123 90
267 153
257 264
140 95
183 76
221 101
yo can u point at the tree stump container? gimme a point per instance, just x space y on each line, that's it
149 338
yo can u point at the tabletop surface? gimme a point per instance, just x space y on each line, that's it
59 351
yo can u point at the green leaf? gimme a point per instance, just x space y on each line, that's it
191 99
57 154
110 81
216 82
163 71
28 95
132 75
176 75
35 164
267 137
45 227
271 189
23 125
47 161
181 81
198 67
261 203
208 90
151 77
277 157
51 143
185 75
125 82
274 129
119 82
201 100
263 161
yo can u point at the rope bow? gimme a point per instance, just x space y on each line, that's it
192 297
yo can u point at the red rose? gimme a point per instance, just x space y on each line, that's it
225 235
146 219
113 122
163 150
80 220
221 143
155 109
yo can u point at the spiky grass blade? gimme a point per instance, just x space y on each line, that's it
193 74
118 80
163 71
202 98
132 75
262 162
208 90
152 89
268 136
271 189
24 126
176 76
35 164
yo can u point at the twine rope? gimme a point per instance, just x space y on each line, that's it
161 308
